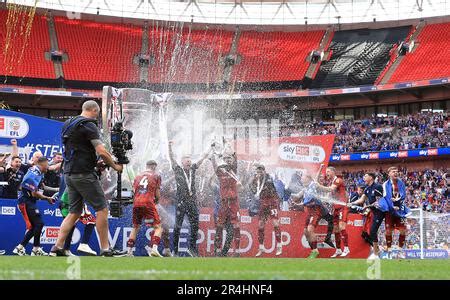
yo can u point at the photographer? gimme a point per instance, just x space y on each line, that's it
82 142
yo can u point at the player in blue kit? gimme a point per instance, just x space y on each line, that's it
31 190
316 211
374 216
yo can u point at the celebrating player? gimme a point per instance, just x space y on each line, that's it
186 198
264 189
374 217
146 189
229 207
31 192
395 219
340 212
316 211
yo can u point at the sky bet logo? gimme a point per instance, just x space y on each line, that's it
301 153
8 211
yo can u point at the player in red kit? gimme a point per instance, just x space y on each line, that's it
146 189
340 212
393 219
229 207
263 188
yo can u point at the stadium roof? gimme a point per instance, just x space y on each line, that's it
254 12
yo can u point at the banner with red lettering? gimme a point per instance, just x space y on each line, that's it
292 225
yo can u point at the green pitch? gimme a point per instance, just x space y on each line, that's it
216 268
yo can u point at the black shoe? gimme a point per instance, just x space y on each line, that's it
329 242
113 253
55 251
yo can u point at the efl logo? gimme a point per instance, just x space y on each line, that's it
403 154
13 127
204 217
374 155
8 210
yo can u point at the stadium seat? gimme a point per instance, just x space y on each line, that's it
187 56
358 56
274 56
33 63
430 59
99 51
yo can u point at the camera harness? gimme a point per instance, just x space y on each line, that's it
67 132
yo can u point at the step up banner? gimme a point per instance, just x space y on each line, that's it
12 229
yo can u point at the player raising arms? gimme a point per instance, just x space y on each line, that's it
229 206
340 212
264 189
395 219
316 211
146 189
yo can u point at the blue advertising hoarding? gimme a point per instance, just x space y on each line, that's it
398 154
32 134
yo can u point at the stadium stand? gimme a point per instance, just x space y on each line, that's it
416 131
187 56
358 56
431 57
274 56
99 51
33 63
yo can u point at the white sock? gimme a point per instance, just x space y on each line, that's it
155 247
166 249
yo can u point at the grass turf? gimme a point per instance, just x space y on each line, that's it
12 267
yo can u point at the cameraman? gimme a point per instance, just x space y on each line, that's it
81 139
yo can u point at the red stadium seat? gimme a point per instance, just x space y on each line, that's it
274 56
99 51
187 56
431 58
33 63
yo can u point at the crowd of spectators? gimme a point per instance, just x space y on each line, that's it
425 189
416 131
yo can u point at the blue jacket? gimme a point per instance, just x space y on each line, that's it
386 203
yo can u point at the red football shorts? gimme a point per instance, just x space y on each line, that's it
393 222
229 209
314 215
268 209
340 214
148 214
